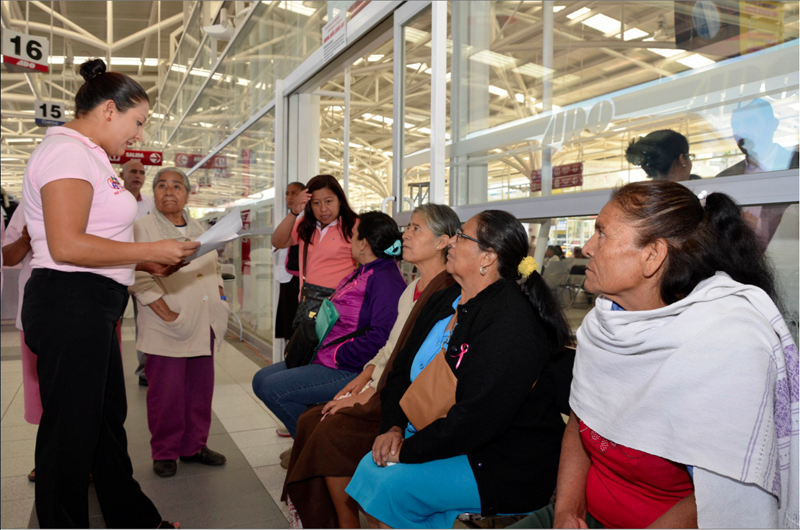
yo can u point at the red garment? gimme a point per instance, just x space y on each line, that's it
627 488
417 292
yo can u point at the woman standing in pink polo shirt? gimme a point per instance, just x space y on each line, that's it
80 219
321 222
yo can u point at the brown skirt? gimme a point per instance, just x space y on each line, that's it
330 448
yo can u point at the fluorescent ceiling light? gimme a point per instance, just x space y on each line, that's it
297 7
498 91
416 66
556 9
206 125
7 159
494 59
533 70
242 81
357 146
376 57
579 13
696 61
665 52
633 33
19 140
416 36
521 98
602 23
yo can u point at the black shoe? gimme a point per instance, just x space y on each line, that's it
206 456
142 380
165 468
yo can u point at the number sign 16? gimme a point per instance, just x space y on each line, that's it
26 51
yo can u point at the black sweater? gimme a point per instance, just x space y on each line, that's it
510 433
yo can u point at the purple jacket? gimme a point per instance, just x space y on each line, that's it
370 300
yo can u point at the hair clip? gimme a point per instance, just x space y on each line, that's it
395 249
702 198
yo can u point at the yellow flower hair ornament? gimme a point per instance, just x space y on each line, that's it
527 266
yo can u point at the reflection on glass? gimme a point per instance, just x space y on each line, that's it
754 126
619 72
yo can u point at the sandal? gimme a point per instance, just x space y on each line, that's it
32 475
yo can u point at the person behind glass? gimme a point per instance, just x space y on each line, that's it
321 224
366 300
177 316
16 250
133 176
83 260
663 155
684 395
496 450
287 274
754 126
553 253
326 453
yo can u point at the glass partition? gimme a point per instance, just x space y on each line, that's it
274 41
721 75
417 120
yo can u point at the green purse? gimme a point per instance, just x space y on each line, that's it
326 318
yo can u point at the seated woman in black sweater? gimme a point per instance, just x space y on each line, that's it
496 450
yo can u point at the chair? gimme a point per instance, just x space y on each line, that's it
556 275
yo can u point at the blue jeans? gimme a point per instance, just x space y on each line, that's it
288 393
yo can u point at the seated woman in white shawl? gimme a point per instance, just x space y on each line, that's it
685 391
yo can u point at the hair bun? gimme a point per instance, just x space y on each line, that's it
93 68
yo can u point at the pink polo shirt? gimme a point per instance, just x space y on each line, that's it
329 255
67 154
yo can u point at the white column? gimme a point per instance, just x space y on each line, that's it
346 141
547 93
438 100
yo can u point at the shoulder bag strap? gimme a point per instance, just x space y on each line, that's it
305 260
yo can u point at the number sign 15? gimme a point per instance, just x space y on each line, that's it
49 113
26 51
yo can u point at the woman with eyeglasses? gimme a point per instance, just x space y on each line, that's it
664 155
495 445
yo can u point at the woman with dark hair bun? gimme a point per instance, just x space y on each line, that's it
321 222
664 155
685 386
493 446
366 300
80 220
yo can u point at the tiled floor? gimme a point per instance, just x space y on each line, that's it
244 493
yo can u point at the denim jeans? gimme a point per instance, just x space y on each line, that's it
288 393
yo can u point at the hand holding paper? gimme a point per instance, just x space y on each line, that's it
226 230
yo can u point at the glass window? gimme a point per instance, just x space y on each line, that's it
722 76
274 41
417 119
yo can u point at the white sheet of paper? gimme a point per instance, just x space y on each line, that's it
226 230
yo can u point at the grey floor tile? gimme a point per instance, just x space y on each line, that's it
13 467
16 513
19 432
15 488
281 522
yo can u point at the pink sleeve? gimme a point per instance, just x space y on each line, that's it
295 228
15 226
63 160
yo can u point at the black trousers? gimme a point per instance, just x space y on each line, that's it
69 321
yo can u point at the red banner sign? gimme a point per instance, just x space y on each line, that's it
191 160
565 176
147 158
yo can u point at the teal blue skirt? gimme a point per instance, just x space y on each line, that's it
429 495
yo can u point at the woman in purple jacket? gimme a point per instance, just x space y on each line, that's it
367 304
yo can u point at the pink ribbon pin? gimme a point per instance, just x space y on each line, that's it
464 349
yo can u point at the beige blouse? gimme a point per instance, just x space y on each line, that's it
404 307
192 292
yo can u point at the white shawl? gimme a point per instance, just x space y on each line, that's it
710 381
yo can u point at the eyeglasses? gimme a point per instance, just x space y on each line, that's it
690 156
460 234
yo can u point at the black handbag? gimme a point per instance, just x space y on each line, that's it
304 344
311 296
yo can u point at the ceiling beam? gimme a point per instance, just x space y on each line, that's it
139 35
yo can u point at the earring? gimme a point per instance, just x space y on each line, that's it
361 253
437 248
684 165
483 270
